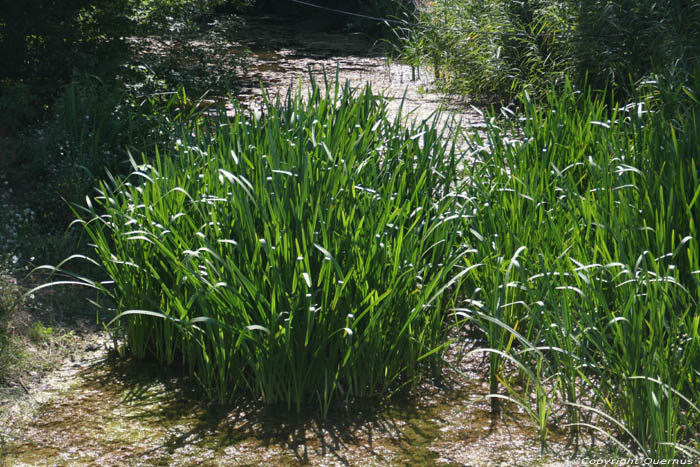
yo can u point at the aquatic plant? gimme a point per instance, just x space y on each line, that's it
492 50
584 222
310 254
321 251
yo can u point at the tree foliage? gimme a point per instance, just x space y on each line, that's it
46 39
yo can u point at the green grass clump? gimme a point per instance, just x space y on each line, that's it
585 222
307 255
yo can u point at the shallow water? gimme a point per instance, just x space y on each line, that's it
133 413
284 57
99 411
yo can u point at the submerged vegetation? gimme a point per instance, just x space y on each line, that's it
322 251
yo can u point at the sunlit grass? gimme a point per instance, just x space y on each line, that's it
309 255
322 252
584 222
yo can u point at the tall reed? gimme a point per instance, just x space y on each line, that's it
306 255
492 50
585 225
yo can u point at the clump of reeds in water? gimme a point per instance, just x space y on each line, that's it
585 222
323 251
308 255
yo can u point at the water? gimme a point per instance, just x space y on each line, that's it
284 57
102 411
133 413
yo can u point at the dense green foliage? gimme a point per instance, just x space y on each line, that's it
305 257
323 252
68 122
488 50
44 41
585 225
301 257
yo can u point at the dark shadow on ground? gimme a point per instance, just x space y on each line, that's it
159 397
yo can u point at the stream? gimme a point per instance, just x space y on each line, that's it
101 410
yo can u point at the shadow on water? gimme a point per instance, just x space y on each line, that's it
270 33
175 411
118 411
283 53
121 412
284 48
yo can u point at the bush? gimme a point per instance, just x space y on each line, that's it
66 139
202 56
44 41
62 157
306 256
87 133
47 42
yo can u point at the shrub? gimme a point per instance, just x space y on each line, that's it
64 156
43 41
